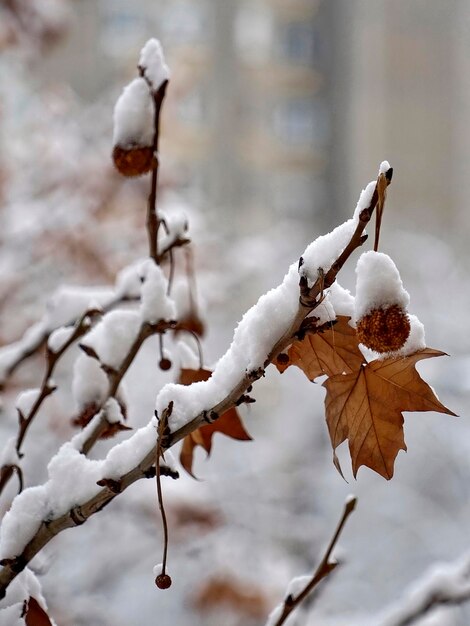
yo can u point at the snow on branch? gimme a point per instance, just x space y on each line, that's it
40 513
302 586
445 584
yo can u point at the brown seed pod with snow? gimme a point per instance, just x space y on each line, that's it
382 321
134 160
133 152
384 330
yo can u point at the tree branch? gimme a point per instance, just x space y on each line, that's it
309 299
34 347
324 569
115 377
82 326
153 222
447 586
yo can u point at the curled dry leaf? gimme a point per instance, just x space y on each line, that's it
366 408
35 615
228 424
330 349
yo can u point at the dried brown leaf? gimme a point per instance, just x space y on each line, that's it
35 615
332 351
228 424
366 408
223 591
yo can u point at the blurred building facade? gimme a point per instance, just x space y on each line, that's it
280 107
410 104
249 119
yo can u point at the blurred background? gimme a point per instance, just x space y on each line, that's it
277 114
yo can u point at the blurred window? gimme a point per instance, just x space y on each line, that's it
301 121
185 22
299 42
191 109
296 194
124 26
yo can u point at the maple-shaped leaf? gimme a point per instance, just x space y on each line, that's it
332 350
228 424
35 615
366 408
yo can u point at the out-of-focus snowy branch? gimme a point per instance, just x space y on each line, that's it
301 587
14 354
445 584
29 402
55 506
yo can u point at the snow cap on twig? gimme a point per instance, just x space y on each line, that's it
152 64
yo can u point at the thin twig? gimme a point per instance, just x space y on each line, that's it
382 192
162 432
324 569
153 223
46 389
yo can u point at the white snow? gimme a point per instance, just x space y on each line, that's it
274 616
113 336
157 570
384 167
72 480
155 304
9 454
450 580
133 116
322 252
64 491
153 63
113 411
59 337
325 312
24 586
129 280
23 520
64 307
188 359
11 353
341 300
297 585
69 303
124 456
416 340
26 400
176 228
89 384
378 284
12 615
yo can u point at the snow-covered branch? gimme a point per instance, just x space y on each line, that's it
443 585
267 329
29 402
302 586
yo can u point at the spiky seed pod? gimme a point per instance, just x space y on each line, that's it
134 160
384 330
